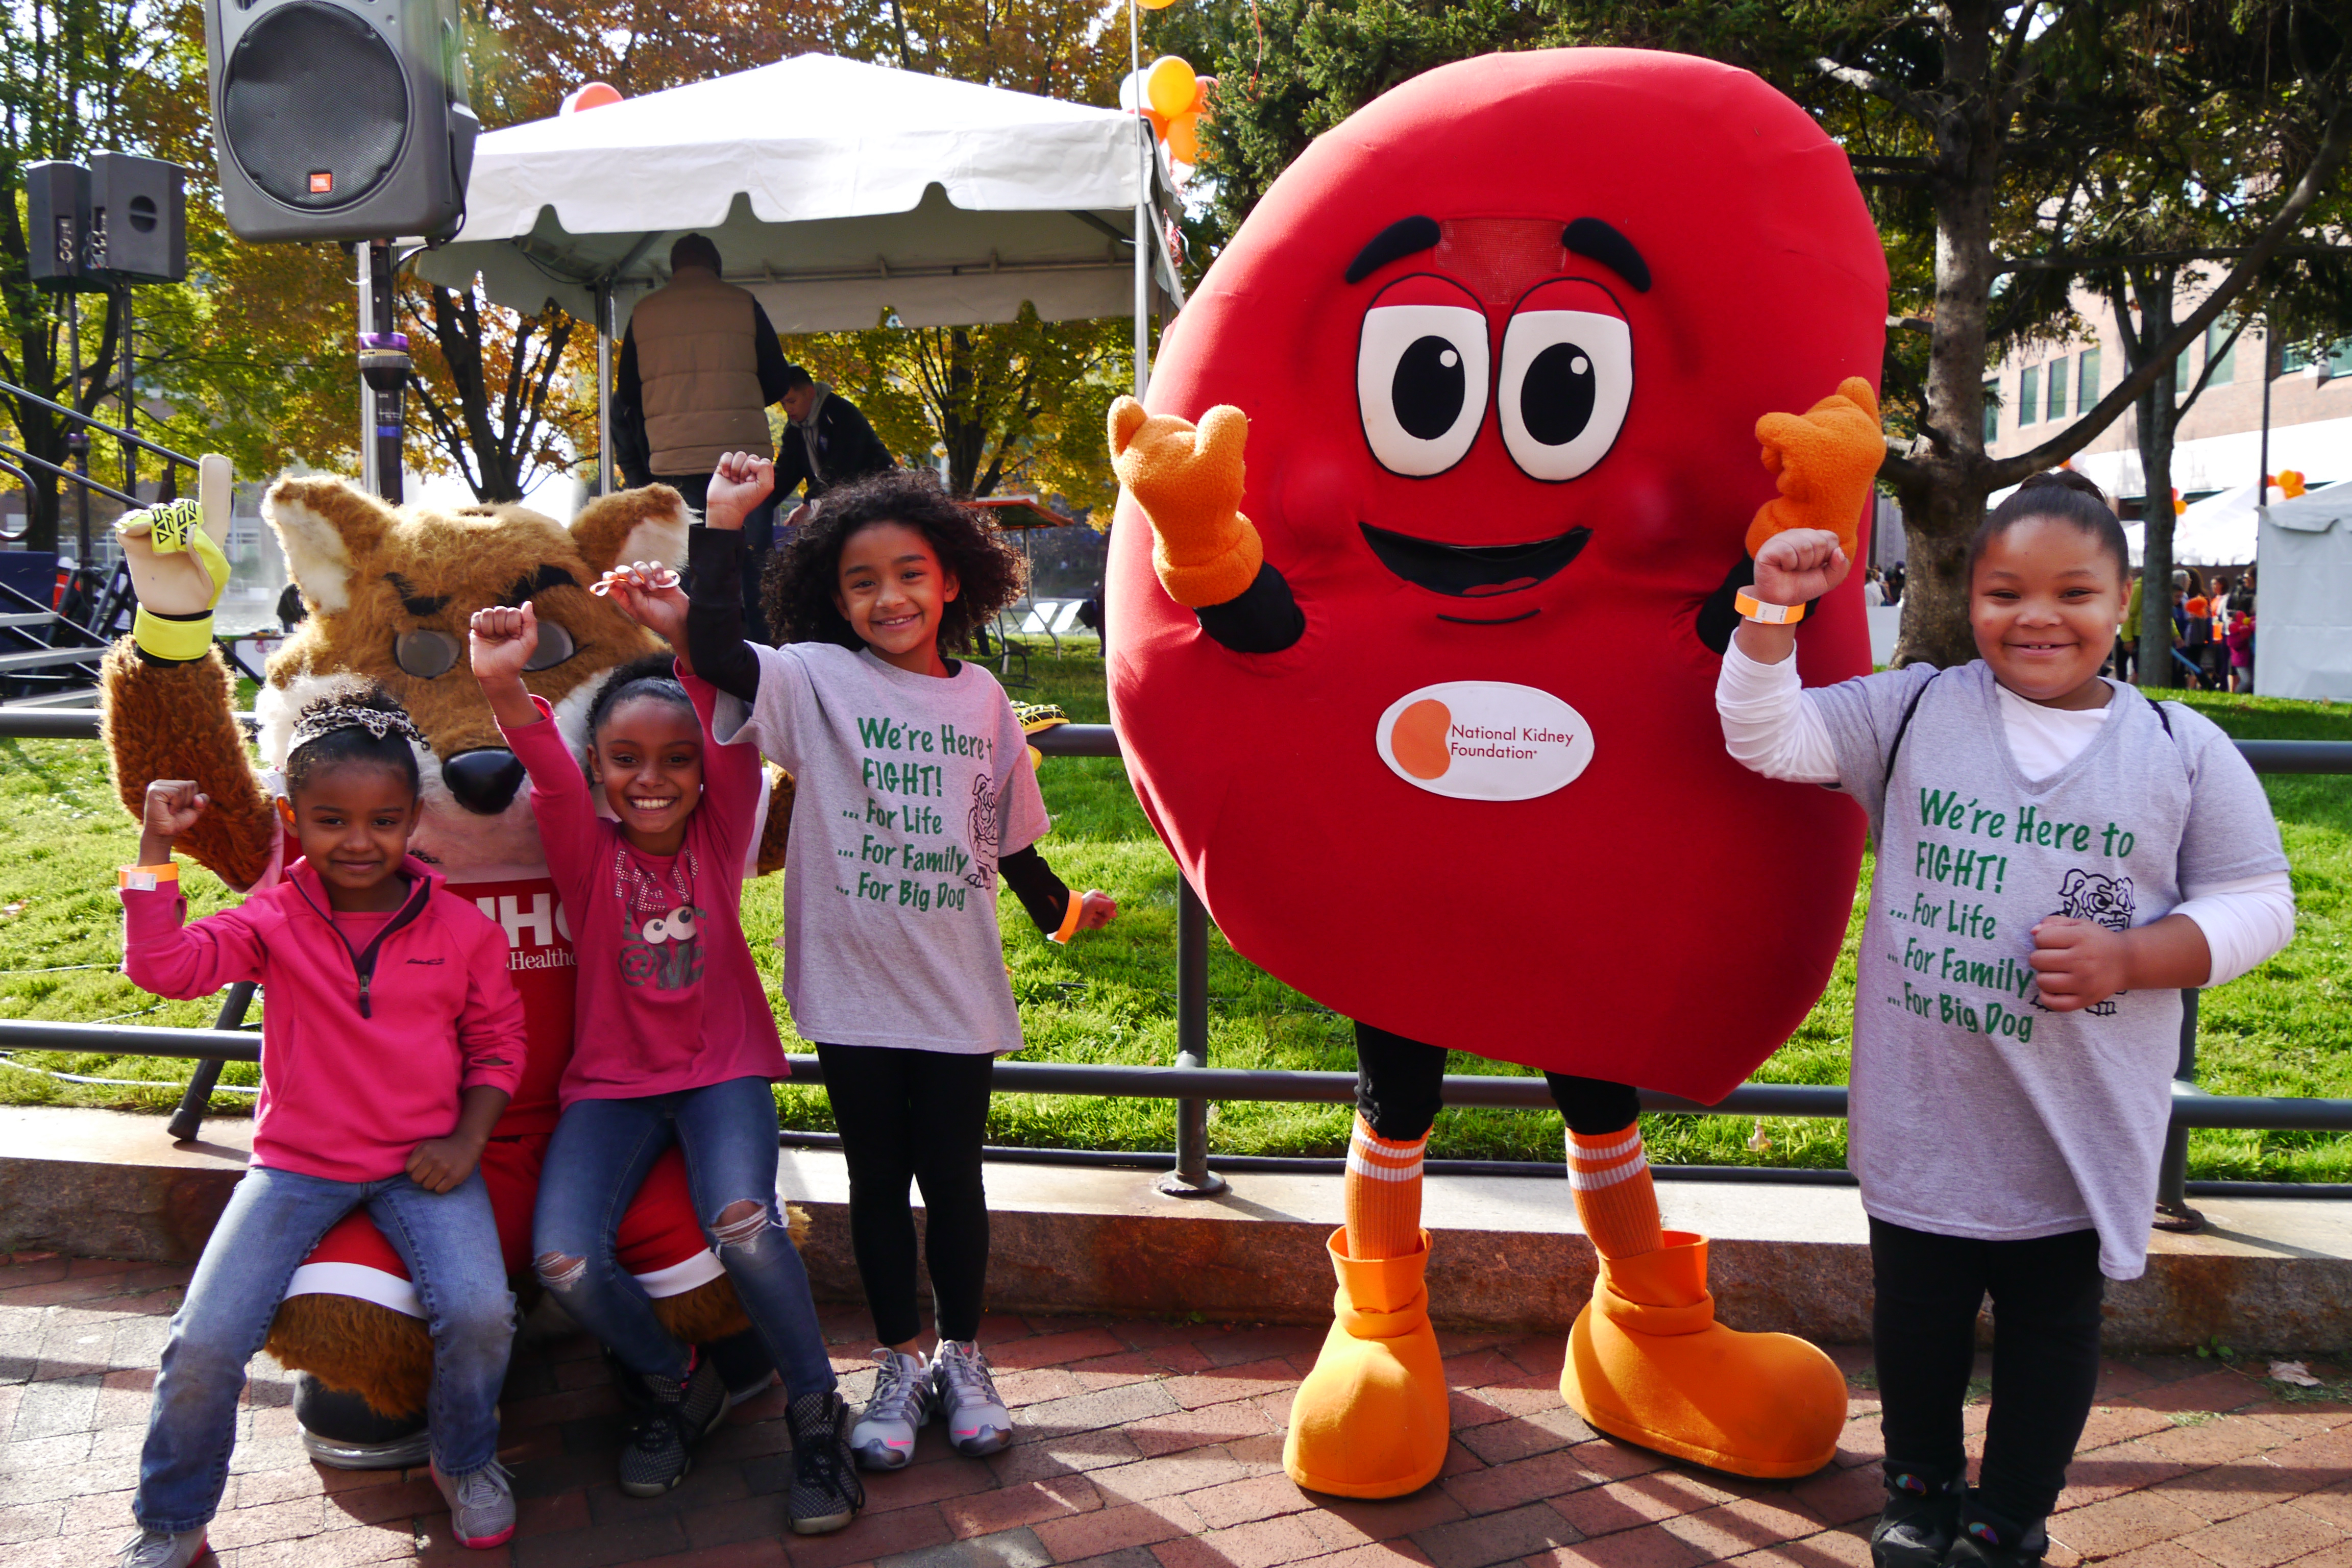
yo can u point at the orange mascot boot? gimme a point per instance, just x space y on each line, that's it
1371 1420
1648 1363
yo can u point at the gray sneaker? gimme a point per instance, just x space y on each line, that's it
161 1549
481 1505
976 1418
884 1438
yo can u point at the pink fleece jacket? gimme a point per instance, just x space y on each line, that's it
668 997
366 1051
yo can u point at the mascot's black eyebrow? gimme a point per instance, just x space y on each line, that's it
1587 236
1597 241
414 603
547 577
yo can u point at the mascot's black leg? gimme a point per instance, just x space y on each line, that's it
341 1431
743 1365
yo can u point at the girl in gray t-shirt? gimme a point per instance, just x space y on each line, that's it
913 790
2056 858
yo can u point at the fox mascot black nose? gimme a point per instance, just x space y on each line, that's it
483 781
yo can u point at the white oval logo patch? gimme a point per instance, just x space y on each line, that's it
1484 740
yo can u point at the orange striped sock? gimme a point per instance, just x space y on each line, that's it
1615 1201
1383 1195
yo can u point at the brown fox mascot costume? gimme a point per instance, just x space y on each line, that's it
388 593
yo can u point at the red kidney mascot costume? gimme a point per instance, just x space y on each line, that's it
1422 700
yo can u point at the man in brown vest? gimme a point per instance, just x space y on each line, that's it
699 365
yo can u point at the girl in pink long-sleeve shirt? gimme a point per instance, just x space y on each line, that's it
392 1040
675 1041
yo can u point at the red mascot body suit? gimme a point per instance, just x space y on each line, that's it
1421 698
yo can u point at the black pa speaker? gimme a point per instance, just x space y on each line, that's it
56 204
337 121
137 219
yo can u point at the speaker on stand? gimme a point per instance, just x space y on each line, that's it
338 121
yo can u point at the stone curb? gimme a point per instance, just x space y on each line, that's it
2268 1273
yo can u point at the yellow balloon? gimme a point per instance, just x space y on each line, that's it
1170 86
1184 139
1158 5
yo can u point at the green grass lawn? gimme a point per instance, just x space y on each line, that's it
2286 1029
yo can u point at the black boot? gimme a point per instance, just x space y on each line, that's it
1987 1540
1921 1519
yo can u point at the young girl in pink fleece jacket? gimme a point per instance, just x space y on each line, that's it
392 1040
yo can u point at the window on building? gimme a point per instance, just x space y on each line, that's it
2184 376
2086 381
2222 353
2297 356
2028 395
1991 412
2055 408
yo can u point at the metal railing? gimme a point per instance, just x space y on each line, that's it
1192 1083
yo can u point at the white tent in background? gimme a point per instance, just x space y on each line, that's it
2219 530
2303 641
834 189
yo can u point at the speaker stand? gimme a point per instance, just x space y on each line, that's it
384 373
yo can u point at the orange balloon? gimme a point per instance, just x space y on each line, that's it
1201 91
1184 139
593 95
1168 86
1158 124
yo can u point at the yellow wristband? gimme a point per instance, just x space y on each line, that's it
1756 610
1070 918
146 878
185 641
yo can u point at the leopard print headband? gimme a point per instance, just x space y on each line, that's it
324 719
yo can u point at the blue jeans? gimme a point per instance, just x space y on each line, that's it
595 1164
273 1220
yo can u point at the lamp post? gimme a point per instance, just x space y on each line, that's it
1142 206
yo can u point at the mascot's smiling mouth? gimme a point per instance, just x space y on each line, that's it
1473 571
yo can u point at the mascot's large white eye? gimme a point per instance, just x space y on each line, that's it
1566 380
426 653
1421 376
555 646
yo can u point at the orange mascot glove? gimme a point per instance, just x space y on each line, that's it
1187 480
1824 458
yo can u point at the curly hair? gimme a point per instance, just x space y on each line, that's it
359 729
803 579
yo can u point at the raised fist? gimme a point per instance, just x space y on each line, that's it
172 808
1825 459
1187 480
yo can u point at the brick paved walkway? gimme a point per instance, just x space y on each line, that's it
1142 1445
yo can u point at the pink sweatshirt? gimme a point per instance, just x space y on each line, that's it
668 997
365 1048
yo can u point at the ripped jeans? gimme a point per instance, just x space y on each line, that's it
595 1164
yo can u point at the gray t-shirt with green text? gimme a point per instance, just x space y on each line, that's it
1977 1111
908 790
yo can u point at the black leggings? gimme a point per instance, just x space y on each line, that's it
2045 1360
918 1116
1400 1087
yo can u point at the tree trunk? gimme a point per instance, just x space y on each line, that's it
2158 418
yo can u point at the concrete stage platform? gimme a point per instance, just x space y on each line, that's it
2273 1273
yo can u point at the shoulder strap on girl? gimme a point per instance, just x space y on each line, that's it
1904 727
2162 716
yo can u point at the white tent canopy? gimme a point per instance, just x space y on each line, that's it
834 189
2302 643
2219 530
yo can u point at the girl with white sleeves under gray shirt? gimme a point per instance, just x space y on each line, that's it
2056 858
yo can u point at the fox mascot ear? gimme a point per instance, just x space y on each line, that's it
646 524
325 525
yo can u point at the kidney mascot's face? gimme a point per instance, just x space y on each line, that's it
1503 338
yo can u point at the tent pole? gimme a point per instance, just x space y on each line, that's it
605 390
1142 207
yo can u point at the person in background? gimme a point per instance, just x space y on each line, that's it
827 442
2240 640
699 365
1874 589
2127 634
